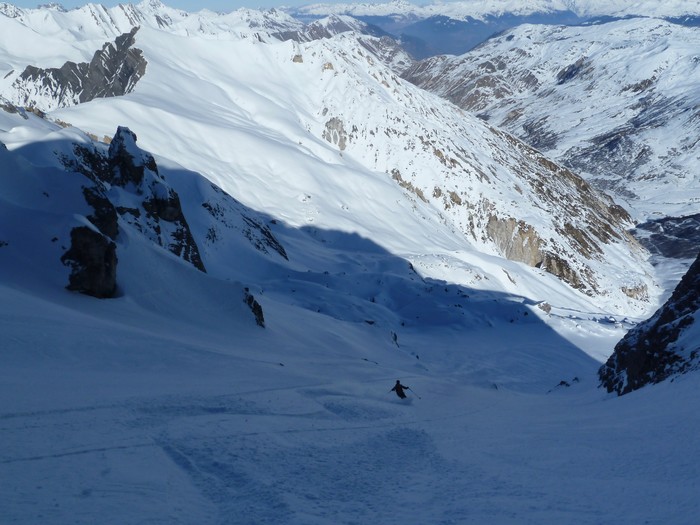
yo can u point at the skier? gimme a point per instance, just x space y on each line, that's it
399 389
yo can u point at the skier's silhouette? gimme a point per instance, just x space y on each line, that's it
399 389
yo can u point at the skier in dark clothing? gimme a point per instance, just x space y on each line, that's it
399 389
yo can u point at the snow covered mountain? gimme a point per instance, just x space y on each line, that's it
263 236
114 70
472 177
490 8
94 22
613 102
168 402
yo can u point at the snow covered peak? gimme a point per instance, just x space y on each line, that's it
53 6
93 22
123 146
10 10
151 4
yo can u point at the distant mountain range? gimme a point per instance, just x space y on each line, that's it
456 27
613 102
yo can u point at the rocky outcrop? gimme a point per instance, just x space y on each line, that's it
255 307
113 71
335 133
516 240
229 216
92 258
158 213
662 347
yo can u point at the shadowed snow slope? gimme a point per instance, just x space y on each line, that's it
168 403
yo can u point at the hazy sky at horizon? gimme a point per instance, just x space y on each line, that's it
187 5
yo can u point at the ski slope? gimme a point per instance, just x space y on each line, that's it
118 413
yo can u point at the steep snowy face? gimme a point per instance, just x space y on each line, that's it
333 101
386 48
101 219
616 103
505 197
663 347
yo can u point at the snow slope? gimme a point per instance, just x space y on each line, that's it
169 405
139 421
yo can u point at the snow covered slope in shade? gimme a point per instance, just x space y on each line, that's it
125 411
325 124
616 102
328 286
330 274
168 403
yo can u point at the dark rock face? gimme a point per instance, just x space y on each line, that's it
113 71
93 261
255 307
105 216
159 216
651 352
579 68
